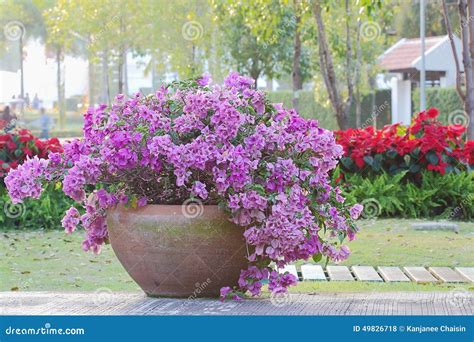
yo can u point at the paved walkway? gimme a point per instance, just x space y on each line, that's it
105 302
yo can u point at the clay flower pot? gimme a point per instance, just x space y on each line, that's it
187 250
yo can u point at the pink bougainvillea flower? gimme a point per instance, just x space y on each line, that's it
222 144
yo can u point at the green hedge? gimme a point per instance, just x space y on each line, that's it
449 196
309 108
45 213
445 99
382 110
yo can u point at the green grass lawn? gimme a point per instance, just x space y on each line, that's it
392 242
51 260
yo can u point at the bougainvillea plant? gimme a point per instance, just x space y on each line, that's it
425 145
225 145
17 146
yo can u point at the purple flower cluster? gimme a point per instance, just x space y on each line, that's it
25 180
222 144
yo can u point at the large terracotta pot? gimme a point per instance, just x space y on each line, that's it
178 251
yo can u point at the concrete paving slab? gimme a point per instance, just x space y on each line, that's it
447 274
419 274
339 273
366 273
313 272
392 274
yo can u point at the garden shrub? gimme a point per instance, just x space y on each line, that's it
44 213
307 107
425 145
424 170
445 99
449 196
15 148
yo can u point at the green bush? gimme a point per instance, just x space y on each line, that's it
445 99
45 213
449 196
307 107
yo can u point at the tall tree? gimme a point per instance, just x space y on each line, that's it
58 23
257 35
339 65
466 28
21 20
340 105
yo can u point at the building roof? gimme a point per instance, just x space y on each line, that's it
404 54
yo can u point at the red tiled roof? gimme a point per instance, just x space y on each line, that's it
401 55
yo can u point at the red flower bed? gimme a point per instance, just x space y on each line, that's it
16 146
426 144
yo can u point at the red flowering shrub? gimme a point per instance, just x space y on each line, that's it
16 146
426 144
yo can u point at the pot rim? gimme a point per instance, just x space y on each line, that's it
163 205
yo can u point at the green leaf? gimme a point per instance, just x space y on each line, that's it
347 162
369 160
391 154
415 168
432 158
317 257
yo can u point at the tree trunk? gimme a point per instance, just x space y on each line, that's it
120 74
373 112
357 79
255 71
449 30
296 74
467 40
105 78
125 73
327 70
468 66
22 76
60 83
91 81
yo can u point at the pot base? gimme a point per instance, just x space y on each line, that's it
171 253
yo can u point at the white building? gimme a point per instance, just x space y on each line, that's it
402 62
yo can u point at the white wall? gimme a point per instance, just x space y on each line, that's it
401 100
440 58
